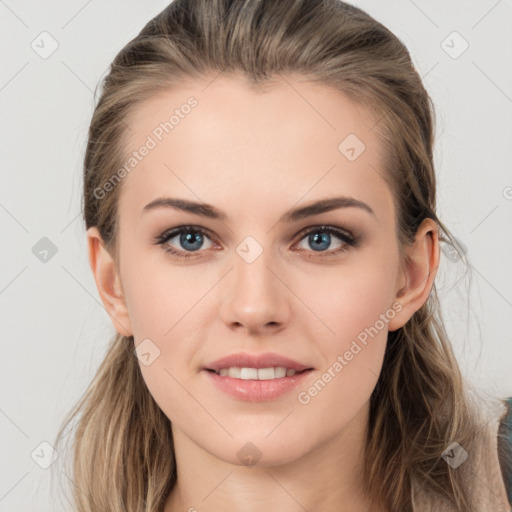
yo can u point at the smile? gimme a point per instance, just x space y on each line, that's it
277 372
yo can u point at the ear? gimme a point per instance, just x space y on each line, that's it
108 282
416 278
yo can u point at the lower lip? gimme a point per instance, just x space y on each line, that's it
257 390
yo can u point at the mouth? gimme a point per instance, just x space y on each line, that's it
271 373
263 366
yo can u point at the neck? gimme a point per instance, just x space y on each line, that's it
328 477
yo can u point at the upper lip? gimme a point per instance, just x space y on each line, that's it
246 360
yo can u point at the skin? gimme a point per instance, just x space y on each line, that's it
255 155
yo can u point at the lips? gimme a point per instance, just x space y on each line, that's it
246 360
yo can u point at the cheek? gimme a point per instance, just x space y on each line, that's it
164 306
355 309
354 305
158 295
350 299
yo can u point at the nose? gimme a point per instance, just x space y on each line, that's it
254 296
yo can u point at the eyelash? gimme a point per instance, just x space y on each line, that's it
348 239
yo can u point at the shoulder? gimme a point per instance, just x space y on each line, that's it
493 471
492 483
504 438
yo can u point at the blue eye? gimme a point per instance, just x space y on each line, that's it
320 238
191 239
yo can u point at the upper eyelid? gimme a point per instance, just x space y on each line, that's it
171 233
327 227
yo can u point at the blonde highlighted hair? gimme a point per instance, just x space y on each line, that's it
123 446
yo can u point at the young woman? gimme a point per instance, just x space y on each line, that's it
260 205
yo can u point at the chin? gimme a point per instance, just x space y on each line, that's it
259 452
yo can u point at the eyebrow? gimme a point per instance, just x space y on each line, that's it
293 215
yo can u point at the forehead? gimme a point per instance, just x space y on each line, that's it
215 138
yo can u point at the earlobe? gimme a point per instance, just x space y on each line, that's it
418 273
108 282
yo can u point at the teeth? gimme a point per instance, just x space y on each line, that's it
257 373
234 372
248 373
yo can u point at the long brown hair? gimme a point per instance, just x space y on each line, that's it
123 445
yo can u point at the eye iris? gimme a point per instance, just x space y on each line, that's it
191 237
316 240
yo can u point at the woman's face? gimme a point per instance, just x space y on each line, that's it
256 281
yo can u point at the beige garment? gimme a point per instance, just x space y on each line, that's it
490 494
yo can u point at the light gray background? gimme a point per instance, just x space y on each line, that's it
55 329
